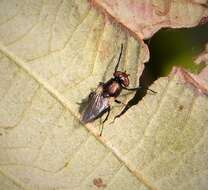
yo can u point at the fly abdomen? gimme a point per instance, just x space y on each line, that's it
96 107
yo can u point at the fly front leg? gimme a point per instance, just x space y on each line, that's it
137 88
106 118
119 102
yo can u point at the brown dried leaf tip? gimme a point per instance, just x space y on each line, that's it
98 182
191 80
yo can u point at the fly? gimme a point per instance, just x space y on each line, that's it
99 101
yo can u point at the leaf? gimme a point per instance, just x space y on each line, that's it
51 54
43 144
144 18
203 59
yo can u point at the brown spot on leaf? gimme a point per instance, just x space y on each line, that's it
66 164
98 182
180 107
191 80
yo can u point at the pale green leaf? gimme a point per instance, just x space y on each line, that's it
52 54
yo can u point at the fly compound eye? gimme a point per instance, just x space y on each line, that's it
123 78
125 81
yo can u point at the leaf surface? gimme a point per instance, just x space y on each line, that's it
51 54
144 18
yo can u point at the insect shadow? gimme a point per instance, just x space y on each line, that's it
144 82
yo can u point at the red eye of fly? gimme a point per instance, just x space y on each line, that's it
123 77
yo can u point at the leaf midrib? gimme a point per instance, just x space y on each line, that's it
66 104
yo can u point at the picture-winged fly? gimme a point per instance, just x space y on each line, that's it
99 101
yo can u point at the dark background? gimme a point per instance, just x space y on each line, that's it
168 48
176 47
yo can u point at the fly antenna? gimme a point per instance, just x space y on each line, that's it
119 58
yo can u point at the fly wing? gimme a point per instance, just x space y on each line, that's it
96 106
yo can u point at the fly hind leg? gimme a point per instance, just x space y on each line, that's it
106 118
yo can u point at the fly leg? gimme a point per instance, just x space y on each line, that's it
119 102
108 113
137 88
129 89
108 110
117 116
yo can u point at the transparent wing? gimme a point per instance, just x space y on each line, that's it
97 105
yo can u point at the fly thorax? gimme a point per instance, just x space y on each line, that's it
113 89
